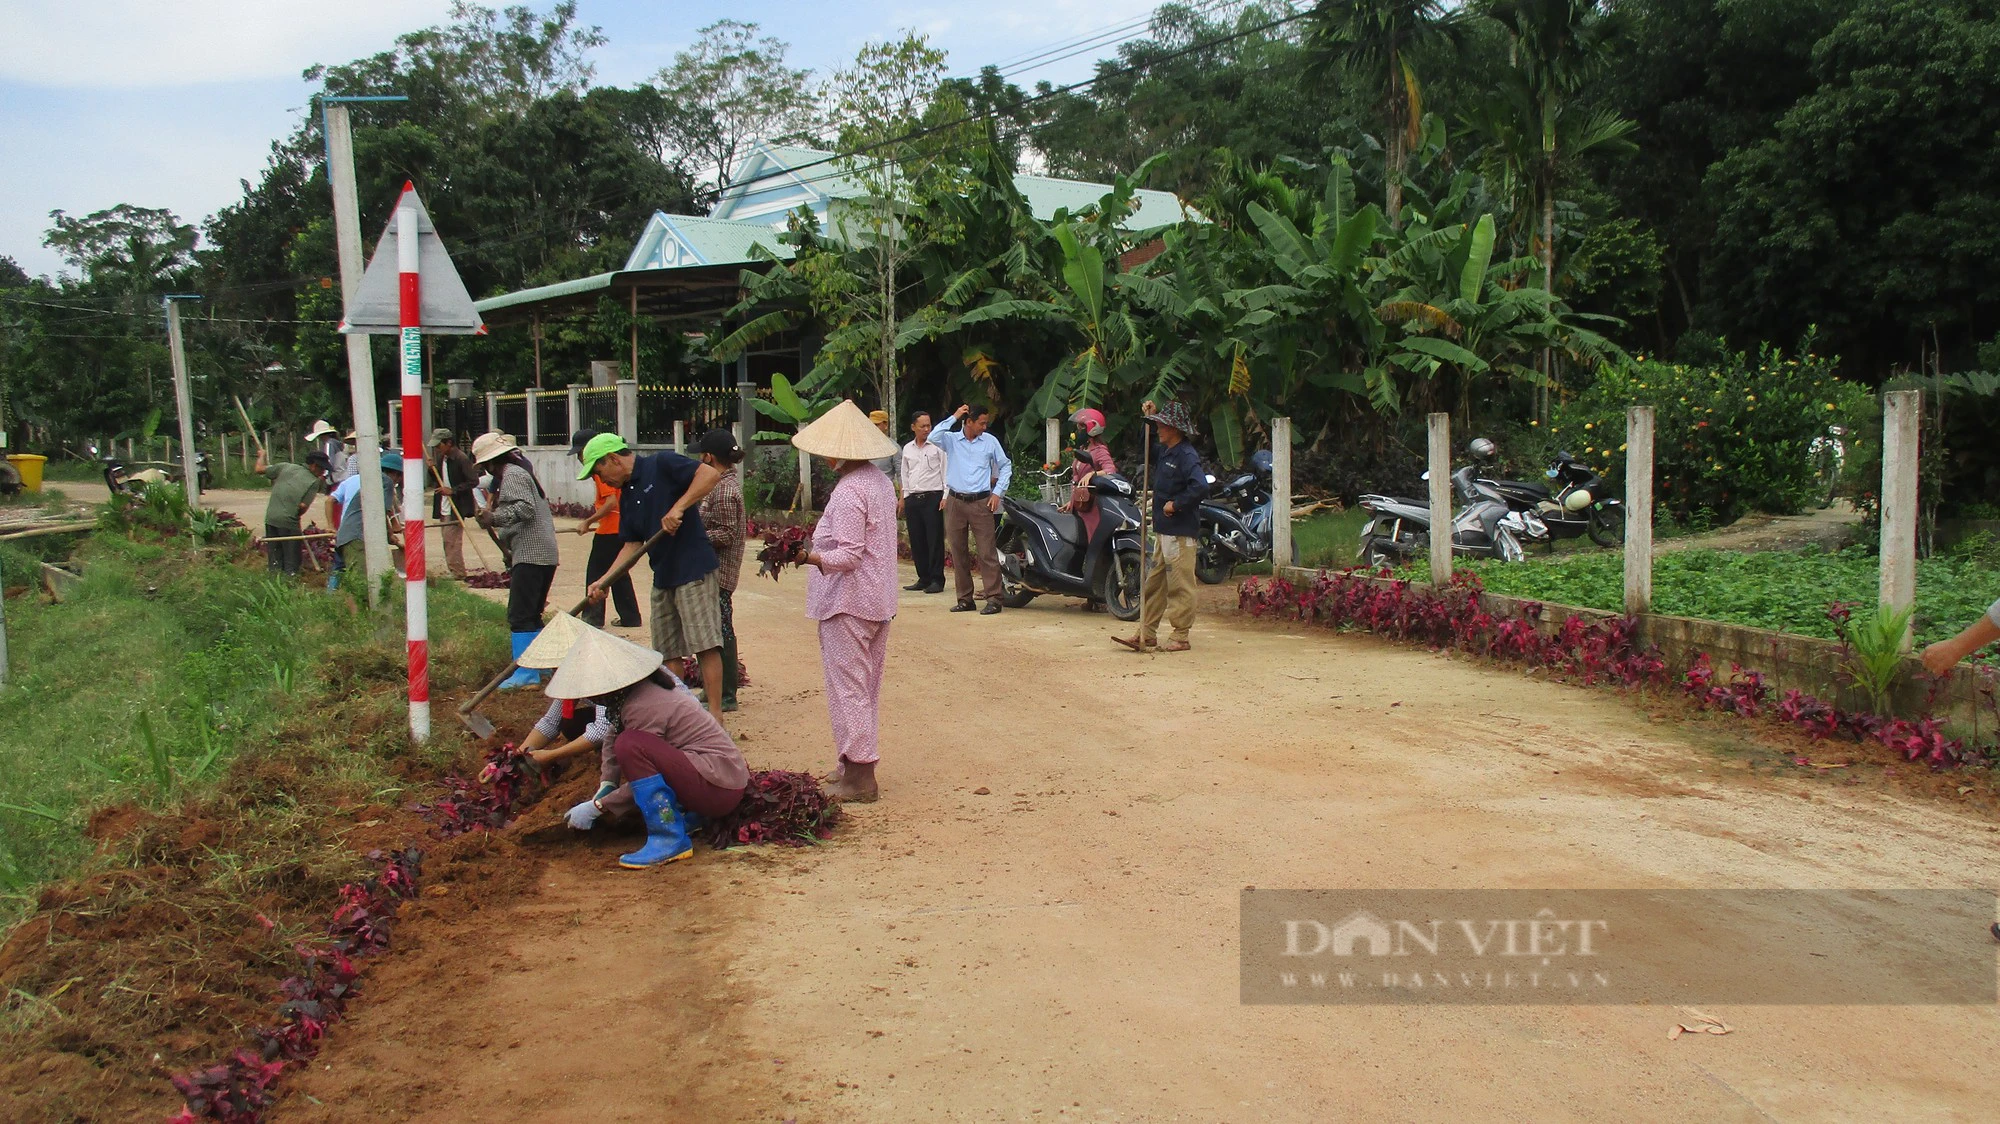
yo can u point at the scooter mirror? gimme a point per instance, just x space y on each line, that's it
1425 476
1550 473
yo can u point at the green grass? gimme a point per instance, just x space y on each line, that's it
1327 539
1783 590
165 665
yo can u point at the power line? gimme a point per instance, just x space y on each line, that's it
1104 37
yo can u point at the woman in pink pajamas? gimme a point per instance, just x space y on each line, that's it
851 590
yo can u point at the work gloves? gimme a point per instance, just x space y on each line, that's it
583 815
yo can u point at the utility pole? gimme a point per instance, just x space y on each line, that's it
183 399
360 362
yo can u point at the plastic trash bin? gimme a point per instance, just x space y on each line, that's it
30 467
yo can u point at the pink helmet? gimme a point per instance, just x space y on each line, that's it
1089 421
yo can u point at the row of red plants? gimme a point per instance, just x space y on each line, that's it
239 1089
1592 651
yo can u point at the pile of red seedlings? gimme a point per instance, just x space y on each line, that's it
488 579
778 807
238 1090
1604 651
690 672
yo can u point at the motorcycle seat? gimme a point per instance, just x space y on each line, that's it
1067 526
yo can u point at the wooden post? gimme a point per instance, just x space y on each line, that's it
292 447
1638 511
1440 463
129 454
635 333
248 440
1281 493
535 331
1052 436
1901 410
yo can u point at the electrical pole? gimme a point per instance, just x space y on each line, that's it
360 362
183 399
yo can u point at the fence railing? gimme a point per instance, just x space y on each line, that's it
511 415
552 422
697 408
597 409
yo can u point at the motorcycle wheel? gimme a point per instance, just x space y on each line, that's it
1119 588
1013 561
1375 554
1209 569
1607 525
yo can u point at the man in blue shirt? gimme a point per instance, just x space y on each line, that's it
1178 487
976 475
663 492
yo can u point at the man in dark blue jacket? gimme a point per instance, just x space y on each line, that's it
1178 487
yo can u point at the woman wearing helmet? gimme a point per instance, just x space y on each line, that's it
1092 457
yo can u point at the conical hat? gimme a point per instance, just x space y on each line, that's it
549 648
599 663
844 433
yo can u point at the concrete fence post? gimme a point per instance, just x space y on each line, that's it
1638 510
680 437
533 422
575 409
492 411
1052 437
1281 493
1901 410
746 414
805 480
1440 493
628 411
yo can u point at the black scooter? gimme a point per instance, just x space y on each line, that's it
1574 503
1042 550
1236 525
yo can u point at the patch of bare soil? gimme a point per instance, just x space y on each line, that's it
1830 528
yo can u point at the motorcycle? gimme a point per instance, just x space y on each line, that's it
1043 550
1236 526
1578 505
118 477
1399 529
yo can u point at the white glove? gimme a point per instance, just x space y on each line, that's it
583 815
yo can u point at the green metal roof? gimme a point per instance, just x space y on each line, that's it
546 292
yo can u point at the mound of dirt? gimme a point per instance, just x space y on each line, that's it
169 954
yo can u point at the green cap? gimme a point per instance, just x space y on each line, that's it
600 446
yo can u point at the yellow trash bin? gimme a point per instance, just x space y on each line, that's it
30 467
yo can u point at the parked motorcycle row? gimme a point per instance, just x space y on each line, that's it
118 477
1496 518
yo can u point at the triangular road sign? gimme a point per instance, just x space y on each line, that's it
376 309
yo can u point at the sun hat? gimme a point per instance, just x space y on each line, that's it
599 663
319 429
879 417
351 435
392 462
489 445
596 449
1175 415
552 644
720 443
844 433
440 435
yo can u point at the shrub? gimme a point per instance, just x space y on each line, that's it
1729 438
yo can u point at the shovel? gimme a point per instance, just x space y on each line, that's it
482 726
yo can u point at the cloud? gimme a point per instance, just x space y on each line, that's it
166 43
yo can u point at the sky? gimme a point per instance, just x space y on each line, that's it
174 104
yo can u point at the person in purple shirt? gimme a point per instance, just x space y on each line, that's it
851 590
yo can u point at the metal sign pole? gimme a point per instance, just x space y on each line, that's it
416 614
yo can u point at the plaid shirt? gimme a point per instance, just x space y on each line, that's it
722 515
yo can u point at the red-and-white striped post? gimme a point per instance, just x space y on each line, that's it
416 615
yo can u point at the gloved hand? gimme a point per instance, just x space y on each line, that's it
604 789
583 815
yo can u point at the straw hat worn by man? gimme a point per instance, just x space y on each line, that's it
851 591
662 492
1178 487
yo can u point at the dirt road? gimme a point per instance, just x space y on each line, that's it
1039 919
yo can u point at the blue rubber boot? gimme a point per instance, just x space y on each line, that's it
526 676
666 832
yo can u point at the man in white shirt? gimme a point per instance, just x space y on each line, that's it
922 477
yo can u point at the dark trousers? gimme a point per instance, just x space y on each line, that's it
527 595
728 645
926 522
641 755
282 555
603 553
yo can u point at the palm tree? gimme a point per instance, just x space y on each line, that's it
1378 41
1532 130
